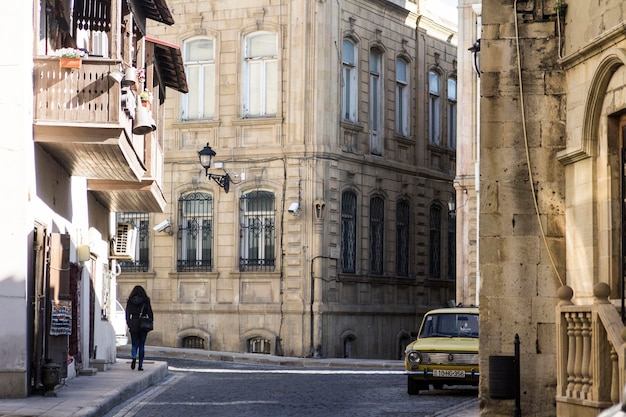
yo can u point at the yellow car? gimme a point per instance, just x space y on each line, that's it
445 351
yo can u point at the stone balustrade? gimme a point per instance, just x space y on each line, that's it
590 353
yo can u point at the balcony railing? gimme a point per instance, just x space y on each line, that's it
84 95
590 354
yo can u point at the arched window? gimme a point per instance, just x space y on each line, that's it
260 75
195 238
258 231
434 111
452 113
376 103
377 235
348 232
434 242
349 88
402 97
199 102
402 238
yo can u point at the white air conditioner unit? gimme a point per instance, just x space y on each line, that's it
123 245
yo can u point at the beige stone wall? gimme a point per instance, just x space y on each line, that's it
308 155
519 240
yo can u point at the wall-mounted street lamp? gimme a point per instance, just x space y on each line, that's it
206 157
475 50
452 207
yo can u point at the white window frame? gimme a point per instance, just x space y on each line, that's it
202 88
349 81
376 102
402 98
259 99
452 112
434 107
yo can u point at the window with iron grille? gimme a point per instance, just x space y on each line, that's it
451 248
402 238
195 232
259 345
258 231
434 240
377 235
348 232
193 342
141 221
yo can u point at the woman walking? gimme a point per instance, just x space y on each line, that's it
138 305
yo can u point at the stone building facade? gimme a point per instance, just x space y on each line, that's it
336 125
552 202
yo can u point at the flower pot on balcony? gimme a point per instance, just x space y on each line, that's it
143 121
130 75
69 62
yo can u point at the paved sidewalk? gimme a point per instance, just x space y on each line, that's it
95 395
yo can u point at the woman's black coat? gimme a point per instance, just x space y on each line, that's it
134 309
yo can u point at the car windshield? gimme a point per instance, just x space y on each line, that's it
450 325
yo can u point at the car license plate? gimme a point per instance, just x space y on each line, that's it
448 374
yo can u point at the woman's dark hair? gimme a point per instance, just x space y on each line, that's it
138 290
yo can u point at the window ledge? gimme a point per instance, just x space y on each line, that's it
351 126
196 124
251 121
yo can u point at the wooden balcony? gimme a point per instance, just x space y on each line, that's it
81 120
590 354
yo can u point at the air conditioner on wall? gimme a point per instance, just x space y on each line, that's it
123 244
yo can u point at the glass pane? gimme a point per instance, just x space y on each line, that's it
193 100
209 91
254 88
374 62
199 50
433 83
271 99
452 89
374 103
401 71
348 52
262 45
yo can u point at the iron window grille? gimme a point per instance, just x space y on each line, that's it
141 221
377 235
402 238
258 231
348 232
435 242
451 248
195 232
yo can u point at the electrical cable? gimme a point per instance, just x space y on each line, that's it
530 174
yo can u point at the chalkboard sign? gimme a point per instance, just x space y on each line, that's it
61 318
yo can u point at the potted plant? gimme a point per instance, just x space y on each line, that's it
146 98
70 57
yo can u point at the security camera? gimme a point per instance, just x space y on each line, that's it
162 226
293 208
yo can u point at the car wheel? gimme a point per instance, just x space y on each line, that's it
414 387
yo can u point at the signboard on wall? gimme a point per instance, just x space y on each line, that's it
61 318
